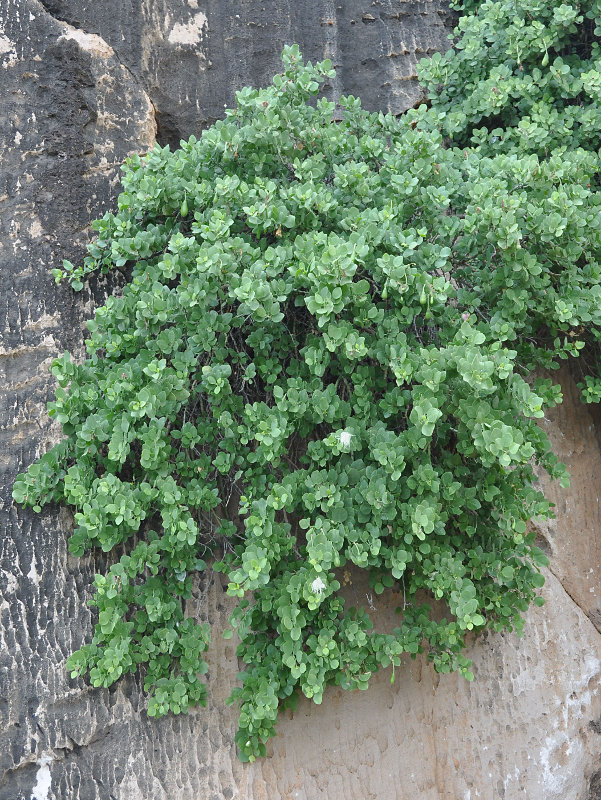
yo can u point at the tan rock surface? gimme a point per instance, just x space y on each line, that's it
529 726
574 537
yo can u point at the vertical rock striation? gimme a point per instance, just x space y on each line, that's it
82 84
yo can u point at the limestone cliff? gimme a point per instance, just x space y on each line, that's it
82 84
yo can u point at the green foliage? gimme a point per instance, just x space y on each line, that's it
324 358
524 77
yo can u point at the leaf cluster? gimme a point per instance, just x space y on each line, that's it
324 359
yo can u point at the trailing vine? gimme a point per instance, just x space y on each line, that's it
324 357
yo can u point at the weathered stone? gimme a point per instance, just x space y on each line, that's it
529 726
574 537
70 113
191 57
81 86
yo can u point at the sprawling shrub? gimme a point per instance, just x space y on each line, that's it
324 358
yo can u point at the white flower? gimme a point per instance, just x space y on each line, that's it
318 586
345 438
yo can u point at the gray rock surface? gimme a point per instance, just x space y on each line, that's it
82 84
192 56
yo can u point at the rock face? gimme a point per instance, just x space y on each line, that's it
191 56
82 84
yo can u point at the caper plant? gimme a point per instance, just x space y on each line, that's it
329 353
